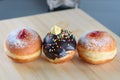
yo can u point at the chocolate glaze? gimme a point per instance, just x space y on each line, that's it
55 46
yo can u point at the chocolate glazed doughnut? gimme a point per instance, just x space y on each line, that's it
59 45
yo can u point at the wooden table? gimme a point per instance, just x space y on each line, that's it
41 69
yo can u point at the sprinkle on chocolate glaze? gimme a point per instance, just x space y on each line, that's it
55 46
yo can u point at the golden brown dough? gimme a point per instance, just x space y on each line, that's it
97 47
23 45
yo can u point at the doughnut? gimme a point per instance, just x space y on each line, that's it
23 45
96 47
59 45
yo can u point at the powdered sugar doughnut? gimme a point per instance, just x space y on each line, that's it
97 47
23 45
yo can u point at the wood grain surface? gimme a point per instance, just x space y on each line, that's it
79 22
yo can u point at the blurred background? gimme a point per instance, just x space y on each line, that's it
106 12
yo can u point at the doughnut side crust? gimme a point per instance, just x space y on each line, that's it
91 61
63 59
96 57
23 58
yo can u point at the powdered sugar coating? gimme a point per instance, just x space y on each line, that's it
93 43
14 41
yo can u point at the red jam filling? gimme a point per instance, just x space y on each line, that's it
22 34
95 34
